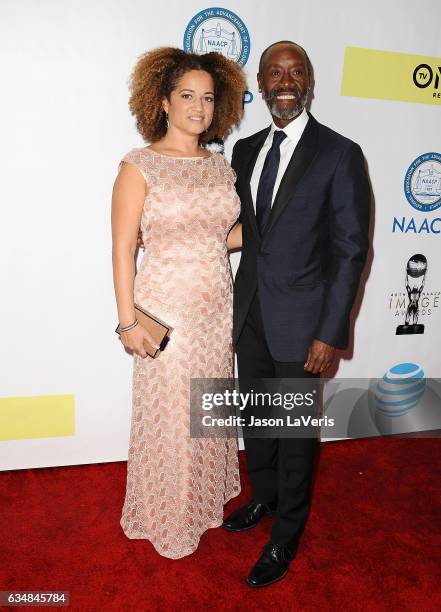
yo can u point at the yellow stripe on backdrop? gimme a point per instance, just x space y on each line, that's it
387 75
42 416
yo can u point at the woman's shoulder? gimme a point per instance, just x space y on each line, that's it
135 155
141 157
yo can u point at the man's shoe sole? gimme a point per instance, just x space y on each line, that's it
241 529
259 586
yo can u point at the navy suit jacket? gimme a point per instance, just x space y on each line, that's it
307 264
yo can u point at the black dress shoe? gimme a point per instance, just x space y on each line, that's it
247 517
273 564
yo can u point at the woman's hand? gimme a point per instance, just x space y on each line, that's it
133 340
139 240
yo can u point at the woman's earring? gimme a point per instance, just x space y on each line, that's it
166 119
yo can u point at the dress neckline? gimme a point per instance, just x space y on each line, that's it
175 157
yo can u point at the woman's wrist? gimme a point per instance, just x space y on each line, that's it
127 316
129 326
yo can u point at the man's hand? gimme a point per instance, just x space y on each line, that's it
139 241
320 356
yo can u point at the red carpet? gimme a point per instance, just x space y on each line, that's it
372 541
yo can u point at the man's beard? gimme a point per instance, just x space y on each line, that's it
286 114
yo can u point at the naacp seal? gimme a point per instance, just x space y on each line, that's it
218 29
422 183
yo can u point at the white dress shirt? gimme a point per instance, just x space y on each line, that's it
293 131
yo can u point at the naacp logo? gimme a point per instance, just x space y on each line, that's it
220 30
422 183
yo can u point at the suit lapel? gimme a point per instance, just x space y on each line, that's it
301 159
248 162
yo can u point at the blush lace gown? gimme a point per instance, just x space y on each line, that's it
177 485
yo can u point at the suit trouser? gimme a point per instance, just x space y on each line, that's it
280 469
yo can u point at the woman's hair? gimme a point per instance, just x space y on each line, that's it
156 75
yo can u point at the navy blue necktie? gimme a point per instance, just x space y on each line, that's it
267 180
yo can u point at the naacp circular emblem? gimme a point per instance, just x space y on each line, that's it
221 30
422 183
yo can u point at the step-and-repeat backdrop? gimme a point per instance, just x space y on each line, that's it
65 379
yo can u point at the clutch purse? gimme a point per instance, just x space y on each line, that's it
158 330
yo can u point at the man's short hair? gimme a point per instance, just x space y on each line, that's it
286 42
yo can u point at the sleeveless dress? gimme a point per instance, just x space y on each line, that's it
177 485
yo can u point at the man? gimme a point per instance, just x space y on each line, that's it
305 214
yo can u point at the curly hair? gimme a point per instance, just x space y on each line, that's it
156 75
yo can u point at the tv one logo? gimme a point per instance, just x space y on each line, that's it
425 76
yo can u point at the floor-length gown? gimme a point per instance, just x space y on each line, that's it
177 485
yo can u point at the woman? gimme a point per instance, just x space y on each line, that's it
183 198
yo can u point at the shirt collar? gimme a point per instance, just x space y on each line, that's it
294 129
